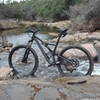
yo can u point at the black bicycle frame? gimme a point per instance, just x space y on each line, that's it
53 52
38 40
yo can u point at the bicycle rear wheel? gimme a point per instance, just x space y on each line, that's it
23 67
75 60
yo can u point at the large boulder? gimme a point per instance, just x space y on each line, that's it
78 53
91 49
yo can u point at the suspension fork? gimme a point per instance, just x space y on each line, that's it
25 57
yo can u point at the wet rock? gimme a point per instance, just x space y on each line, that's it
5 73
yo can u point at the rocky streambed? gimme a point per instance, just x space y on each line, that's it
50 89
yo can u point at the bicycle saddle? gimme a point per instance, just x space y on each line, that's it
63 32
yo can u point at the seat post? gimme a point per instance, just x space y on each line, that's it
57 43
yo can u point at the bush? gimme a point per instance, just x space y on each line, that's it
20 11
52 10
49 9
86 16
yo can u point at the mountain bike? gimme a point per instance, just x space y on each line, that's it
72 59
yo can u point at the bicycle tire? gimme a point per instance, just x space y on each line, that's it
91 63
15 71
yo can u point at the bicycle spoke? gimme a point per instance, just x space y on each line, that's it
77 61
23 68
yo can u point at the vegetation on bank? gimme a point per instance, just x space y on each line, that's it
51 10
85 14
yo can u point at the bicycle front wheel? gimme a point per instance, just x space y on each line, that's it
23 65
75 60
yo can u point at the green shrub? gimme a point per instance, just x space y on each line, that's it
22 11
52 10
49 9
